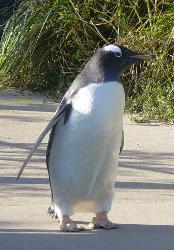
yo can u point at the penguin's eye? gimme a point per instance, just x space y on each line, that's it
118 54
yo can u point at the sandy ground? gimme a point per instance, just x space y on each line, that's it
144 198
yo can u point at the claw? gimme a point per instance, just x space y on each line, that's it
71 227
102 224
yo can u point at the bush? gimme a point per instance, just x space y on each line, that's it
47 42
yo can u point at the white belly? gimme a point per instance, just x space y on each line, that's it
85 150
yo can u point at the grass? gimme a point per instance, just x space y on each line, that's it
46 43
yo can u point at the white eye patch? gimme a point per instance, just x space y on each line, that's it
113 48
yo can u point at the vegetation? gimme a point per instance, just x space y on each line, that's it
47 42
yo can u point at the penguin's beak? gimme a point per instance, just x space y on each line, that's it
142 56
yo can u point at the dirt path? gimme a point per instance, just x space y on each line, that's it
144 194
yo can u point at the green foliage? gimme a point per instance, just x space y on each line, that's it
47 42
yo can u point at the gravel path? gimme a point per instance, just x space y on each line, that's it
144 192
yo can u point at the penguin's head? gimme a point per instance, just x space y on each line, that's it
108 63
114 59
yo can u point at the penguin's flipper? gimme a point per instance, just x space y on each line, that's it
56 118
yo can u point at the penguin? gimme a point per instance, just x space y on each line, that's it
86 138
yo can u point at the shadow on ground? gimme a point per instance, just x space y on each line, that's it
30 107
160 162
128 237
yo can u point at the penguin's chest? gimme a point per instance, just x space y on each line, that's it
100 105
85 150
96 118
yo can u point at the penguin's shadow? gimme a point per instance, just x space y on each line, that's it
128 237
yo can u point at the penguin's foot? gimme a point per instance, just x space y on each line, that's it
68 225
52 213
101 221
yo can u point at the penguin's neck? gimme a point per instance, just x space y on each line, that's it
110 73
105 74
99 72
110 76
